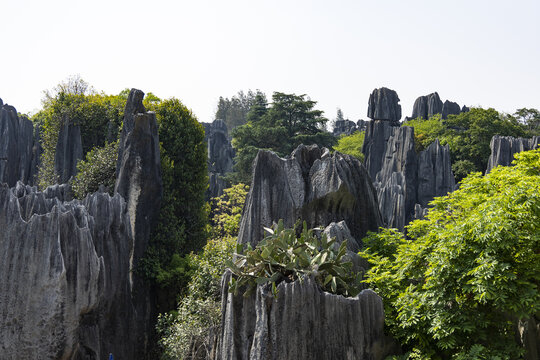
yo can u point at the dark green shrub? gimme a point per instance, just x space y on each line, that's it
99 168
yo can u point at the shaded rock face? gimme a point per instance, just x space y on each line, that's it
303 322
311 185
401 177
503 149
344 127
18 160
427 106
383 105
68 150
220 156
450 108
68 286
139 170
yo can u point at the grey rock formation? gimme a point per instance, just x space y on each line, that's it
361 125
427 106
465 109
134 106
311 185
139 170
435 177
503 149
383 105
68 150
17 160
450 108
303 322
68 286
528 333
220 156
401 177
344 127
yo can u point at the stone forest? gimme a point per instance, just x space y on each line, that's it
129 230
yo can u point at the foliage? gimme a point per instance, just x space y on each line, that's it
351 144
234 111
530 118
227 211
289 122
467 134
189 332
282 256
182 218
99 168
98 115
469 269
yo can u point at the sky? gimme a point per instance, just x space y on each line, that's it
473 52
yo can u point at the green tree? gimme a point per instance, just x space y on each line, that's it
531 119
234 111
351 144
188 333
98 115
467 134
471 267
98 168
182 218
289 122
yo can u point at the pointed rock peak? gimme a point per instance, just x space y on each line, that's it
134 104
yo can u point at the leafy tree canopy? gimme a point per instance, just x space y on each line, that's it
468 270
183 215
468 135
234 111
291 120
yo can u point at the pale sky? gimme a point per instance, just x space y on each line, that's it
478 53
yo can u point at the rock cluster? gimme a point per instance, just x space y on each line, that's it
220 156
428 105
311 185
503 149
324 190
68 286
405 181
19 150
348 127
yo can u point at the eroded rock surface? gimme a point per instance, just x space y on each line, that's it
503 149
303 322
68 286
311 185
401 177
17 159
68 150
220 156
383 105
427 106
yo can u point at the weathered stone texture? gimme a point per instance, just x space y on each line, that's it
311 185
503 149
220 156
303 322
383 105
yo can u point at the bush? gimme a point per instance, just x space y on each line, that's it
351 145
469 270
99 168
282 256
189 332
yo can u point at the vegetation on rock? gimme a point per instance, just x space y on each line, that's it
284 256
99 168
